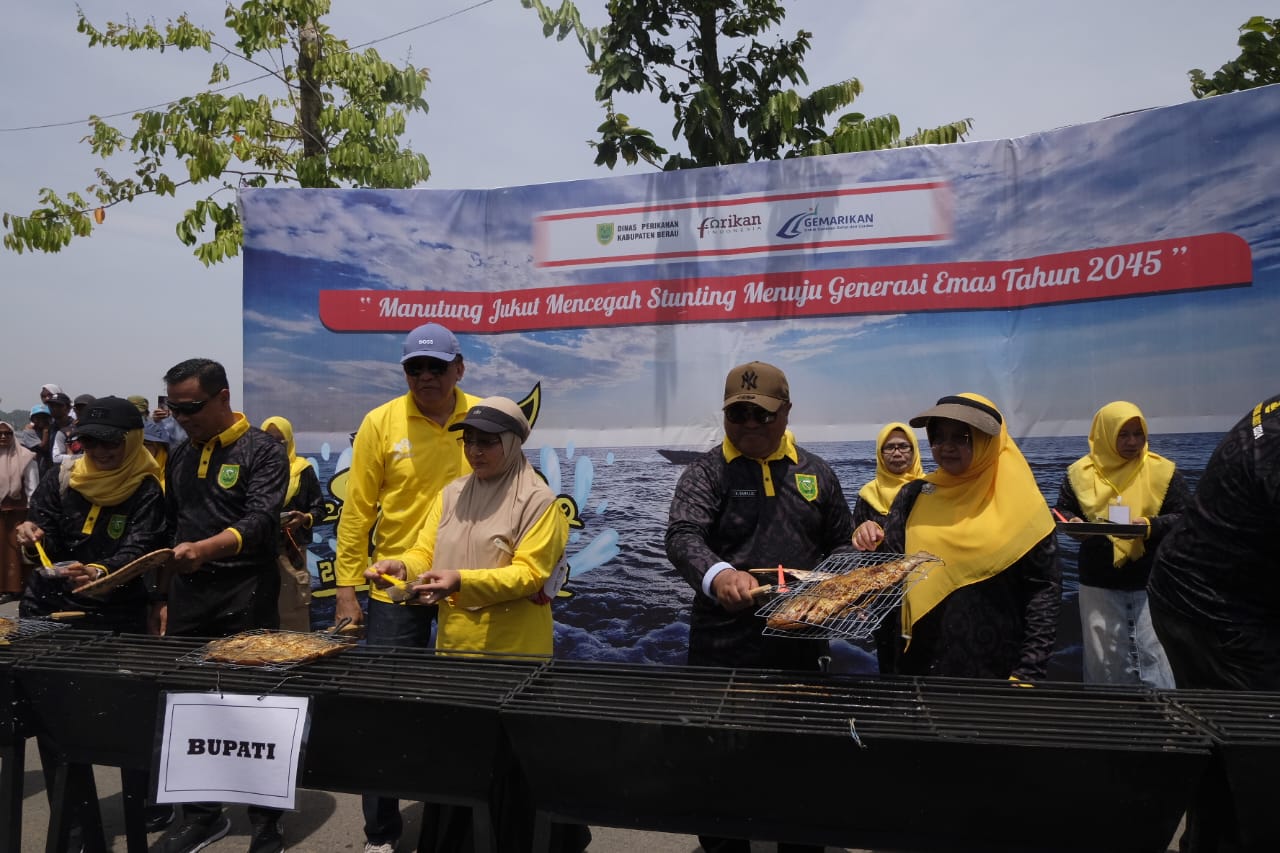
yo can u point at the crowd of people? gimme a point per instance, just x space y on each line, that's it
460 540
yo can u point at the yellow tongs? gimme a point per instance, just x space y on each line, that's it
44 558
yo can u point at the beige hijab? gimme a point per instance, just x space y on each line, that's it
482 521
13 463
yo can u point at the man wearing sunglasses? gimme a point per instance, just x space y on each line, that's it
224 488
757 501
402 456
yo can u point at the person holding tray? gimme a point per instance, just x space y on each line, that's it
991 611
94 514
1119 643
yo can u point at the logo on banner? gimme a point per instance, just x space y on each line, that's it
810 221
728 224
604 233
807 484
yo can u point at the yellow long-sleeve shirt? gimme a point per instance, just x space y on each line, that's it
503 620
400 460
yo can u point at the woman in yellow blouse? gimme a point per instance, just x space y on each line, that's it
489 543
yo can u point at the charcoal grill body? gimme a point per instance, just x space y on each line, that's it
1245 728
17 724
943 766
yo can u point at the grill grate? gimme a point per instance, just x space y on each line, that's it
324 645
856 621
21 629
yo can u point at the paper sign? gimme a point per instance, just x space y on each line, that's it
231 748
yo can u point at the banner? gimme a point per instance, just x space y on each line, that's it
1129 259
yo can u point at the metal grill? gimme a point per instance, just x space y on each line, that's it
855 621
21 629
858 748
201 656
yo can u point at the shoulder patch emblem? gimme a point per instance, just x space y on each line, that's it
807 485
115 527
228 476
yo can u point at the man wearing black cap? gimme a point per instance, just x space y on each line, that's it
758 500
402 456
225 486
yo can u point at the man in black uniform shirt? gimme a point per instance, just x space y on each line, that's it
224 489
757 501
1215 604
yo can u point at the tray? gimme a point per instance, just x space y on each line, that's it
855 622
125 573
1101 528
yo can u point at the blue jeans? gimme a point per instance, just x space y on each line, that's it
392 625
1120 645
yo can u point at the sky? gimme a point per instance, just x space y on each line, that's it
507 108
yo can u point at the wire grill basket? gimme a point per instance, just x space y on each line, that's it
815 608
275 643
20 629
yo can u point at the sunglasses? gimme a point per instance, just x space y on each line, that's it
434 366
188 408
481 440
740 413
90 443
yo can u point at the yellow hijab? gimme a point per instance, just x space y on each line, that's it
296 465
108 488
1104 475
979 522
881 491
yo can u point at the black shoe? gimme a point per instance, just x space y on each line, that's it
6 597
193 835
267 838
158 817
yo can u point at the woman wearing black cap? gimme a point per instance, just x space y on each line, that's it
97 512
489 544
991 610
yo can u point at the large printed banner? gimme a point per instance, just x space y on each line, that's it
1133 258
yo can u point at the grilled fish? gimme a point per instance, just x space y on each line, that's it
835 596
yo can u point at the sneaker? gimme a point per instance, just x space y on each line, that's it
194 835
370 847
267 838
158 817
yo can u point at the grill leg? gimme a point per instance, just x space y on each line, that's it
541 832
133 786
483 828
13 760
74 795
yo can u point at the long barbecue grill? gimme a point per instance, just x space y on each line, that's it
894 764
397 722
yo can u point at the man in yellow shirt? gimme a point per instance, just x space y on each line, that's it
403 455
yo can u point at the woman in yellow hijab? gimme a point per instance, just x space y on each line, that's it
897 463
98 513
303 509
991 609
1119 644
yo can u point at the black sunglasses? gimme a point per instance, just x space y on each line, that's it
434 366
186 409
740 413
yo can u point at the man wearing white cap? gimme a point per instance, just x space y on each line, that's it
403 455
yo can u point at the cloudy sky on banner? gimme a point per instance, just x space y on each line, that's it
507 109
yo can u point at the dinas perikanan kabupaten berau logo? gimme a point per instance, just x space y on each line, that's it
604 233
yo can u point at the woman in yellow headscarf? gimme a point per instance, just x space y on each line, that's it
991 609
303 510
897 463
98 513
1119 644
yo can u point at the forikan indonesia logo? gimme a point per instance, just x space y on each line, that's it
811 221
727 224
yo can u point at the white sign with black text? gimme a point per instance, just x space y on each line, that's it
231 748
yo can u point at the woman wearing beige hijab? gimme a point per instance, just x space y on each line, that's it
19 475
489 543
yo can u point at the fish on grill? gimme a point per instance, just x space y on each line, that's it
837 595
7 627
